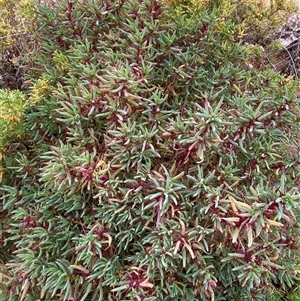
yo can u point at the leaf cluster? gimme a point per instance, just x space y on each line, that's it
157 167
252 21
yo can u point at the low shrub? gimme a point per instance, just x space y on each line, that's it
12 107
252 21
18 38
17 28
156 165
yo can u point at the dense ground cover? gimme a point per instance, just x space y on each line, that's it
151 163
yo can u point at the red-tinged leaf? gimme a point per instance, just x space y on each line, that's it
146 283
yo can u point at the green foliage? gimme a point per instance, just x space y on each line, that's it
252 20
156 167
12 107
